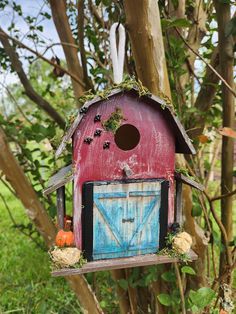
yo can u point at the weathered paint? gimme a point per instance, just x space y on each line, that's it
126 219
153 157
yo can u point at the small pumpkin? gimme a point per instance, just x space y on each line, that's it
64 238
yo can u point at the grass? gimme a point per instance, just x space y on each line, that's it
26 285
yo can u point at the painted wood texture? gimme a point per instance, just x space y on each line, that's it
183 142
63 176
126 219
178 202
61 207
142 260
189 181
153 157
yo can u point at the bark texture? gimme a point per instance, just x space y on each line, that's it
226 56
61 22
123 297
144 27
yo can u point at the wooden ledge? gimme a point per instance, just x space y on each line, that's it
180 177
117 263
63 176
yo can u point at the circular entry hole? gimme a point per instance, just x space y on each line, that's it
127 137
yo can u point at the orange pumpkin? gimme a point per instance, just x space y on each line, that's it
64 238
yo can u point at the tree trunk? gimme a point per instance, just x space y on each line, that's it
144 28
38 215
227 160
61 22
123 297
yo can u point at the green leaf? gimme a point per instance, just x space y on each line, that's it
164 299
202 297
168 276
103 304
167 23
188 270
196 210
123 284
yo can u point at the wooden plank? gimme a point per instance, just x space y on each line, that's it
118 263
184 144
61 207
178 202
59 179
186 180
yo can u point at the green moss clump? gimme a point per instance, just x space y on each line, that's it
127 84
114 121
185 172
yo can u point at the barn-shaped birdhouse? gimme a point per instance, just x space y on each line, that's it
126 193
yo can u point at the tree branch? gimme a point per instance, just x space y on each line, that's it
222 229
205 96
226 56
181 290
61 22
207 64
96 15
55 65
29 90
81 43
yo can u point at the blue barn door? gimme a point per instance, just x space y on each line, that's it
124 220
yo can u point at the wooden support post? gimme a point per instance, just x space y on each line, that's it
61 207
178 202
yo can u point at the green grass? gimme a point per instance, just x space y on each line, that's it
26 285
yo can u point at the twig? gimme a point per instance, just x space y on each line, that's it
227 270
55 65
59 44
206 63
96 15
16 104
181 290
8 187
222 229
213 161
213 257
223 196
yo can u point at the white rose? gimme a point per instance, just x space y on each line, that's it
182 242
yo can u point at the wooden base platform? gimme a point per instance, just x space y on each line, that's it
117 263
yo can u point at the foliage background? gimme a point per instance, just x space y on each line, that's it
25 282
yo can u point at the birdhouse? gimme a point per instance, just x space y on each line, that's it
126 193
